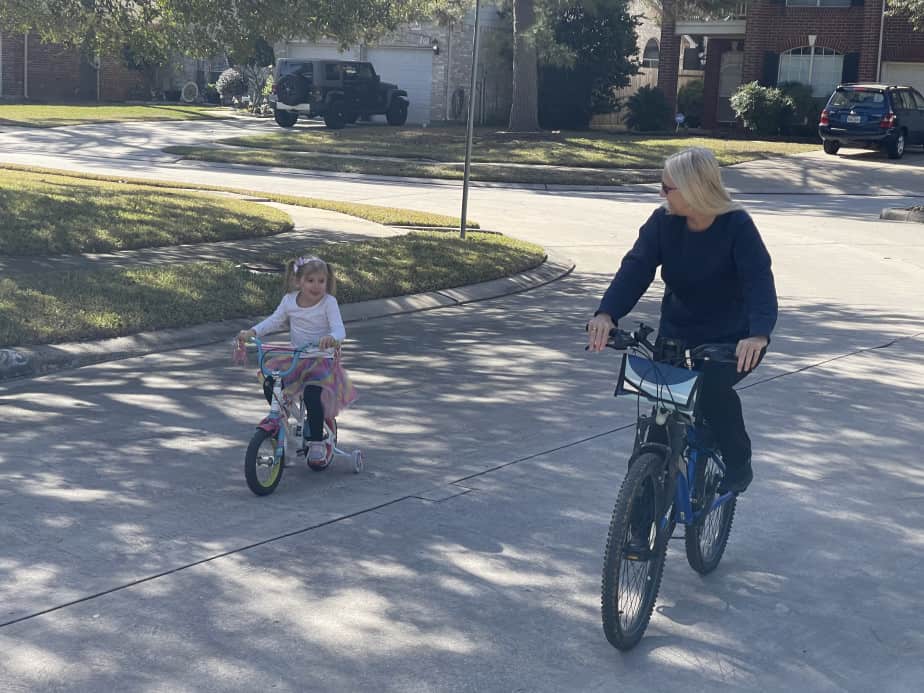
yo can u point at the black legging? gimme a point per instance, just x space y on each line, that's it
315 412
720 405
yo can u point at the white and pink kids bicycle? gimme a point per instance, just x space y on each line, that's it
279 435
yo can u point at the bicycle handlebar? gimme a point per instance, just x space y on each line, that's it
266 350
621 340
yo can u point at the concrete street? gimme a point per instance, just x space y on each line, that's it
468 556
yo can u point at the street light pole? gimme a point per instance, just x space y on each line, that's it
471 120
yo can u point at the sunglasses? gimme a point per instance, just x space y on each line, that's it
666 189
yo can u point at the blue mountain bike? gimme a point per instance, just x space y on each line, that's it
674 477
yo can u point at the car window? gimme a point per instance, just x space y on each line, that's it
919 100
857 98
332 71
366 71
905 100
349 71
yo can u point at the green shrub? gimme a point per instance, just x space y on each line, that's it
231 83
690 102
806 109
649 110
763 110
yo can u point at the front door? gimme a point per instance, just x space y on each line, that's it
730 73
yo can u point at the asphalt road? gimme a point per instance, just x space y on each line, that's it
468 556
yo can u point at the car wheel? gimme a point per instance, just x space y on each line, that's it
352 118
336 117
831 146
397 112
292 89
285 119
895 147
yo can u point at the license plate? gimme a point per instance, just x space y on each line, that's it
854 119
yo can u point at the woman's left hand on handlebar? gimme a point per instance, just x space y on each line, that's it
598 331
327 342
748 352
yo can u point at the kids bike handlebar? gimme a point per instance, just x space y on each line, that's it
266 350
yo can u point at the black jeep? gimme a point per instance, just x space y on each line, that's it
340 91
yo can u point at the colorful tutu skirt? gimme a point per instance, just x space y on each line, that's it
337 391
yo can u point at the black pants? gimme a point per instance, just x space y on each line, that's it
720 405
315 413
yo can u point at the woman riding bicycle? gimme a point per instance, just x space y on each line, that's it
718 288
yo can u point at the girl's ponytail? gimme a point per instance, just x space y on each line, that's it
331 280
288 282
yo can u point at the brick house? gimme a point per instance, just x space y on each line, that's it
30 69
816 42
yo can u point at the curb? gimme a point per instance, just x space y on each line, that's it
31 362
899 214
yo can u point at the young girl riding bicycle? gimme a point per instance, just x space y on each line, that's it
312 315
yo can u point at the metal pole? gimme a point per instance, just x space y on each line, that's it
882 20
471 120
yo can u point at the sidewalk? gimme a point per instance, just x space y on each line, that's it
311 226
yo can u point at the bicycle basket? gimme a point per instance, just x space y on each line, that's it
673 387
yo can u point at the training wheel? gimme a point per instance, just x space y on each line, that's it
358 461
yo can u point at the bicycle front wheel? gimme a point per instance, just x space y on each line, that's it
707 538
262 471
635 550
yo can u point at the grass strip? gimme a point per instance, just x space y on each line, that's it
45 214
389 216
415 169
580 149
51 115
52 307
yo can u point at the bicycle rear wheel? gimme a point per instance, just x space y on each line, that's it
707 538
635 550
261 470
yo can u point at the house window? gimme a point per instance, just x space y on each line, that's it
822 71
651 54
818 3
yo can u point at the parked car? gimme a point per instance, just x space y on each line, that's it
340 91
885 116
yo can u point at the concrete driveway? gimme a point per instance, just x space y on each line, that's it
468 556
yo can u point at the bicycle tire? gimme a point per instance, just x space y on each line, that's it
253 461
640 501
707 538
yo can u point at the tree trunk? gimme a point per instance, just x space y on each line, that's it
524 111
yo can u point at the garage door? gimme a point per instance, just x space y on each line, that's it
911 74
412 70
306 51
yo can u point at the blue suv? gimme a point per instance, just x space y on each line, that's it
877 116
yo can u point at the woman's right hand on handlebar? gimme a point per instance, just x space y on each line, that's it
598 331
244 335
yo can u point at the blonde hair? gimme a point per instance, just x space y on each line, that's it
298 267
695 173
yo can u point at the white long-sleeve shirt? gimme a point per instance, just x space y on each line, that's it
305 324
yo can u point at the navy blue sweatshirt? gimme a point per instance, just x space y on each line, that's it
718 282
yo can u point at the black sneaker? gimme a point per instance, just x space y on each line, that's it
737 479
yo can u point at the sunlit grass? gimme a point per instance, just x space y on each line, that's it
54 115
51 307
48 214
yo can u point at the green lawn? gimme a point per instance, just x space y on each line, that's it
48 214
389 216
53 115
439 153
582 149
51 307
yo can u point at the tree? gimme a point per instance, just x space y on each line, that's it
202 28
524 109
603 44
912 10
